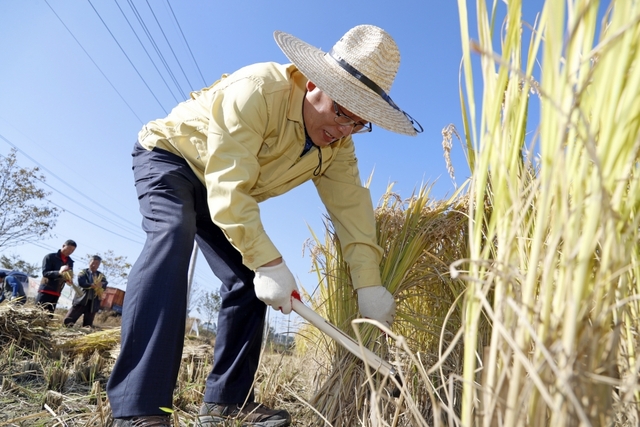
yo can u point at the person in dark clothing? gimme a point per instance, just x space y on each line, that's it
2 285
87 304
53 279
13 283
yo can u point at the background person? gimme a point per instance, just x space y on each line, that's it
3 275
93 283
201 172
17 294
53 281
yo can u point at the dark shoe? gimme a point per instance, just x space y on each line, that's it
251 414
146 421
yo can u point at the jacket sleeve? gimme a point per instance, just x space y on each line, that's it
239 116
104 281
49 269
83 280
351 210
13 283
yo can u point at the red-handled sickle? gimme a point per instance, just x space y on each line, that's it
363 353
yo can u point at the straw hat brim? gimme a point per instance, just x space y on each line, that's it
341 86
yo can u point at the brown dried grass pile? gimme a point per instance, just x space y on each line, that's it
24 326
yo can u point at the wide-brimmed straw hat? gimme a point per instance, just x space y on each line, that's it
357 74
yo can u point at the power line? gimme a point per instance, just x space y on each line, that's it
63 181
73 171
94 62
155 45
204 82
170 47
127 56
146 51
90 210
42 246
93 223
198 272
208 281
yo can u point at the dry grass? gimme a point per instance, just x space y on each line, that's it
53 375
46 381
554 263
23 327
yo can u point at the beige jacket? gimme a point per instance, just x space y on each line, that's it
243 137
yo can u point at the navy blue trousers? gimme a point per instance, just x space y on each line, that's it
173 204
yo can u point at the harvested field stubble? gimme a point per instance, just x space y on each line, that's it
51 375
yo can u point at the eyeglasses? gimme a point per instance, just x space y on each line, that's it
344 120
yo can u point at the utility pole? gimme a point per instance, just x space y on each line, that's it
192 270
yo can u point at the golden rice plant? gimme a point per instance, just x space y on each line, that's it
420 238
554 263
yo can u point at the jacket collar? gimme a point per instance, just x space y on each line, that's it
296 96
62 256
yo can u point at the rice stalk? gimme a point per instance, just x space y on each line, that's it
86 371
554 261
101 341
192 377
53 399
420 237
56 375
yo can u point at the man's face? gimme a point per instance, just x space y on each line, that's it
67 249
94 264
319 115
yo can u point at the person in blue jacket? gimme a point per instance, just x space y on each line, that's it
12 283
17 290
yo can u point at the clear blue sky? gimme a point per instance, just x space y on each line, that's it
76 85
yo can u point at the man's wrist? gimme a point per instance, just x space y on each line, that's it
273 262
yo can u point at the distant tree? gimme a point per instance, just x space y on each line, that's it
24 214
115 268
209 305
13 262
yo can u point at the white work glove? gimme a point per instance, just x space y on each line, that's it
274 286
377 303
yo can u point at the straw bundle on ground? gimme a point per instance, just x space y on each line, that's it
559 251
101 341
23 326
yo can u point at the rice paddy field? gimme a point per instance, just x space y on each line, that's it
518 297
